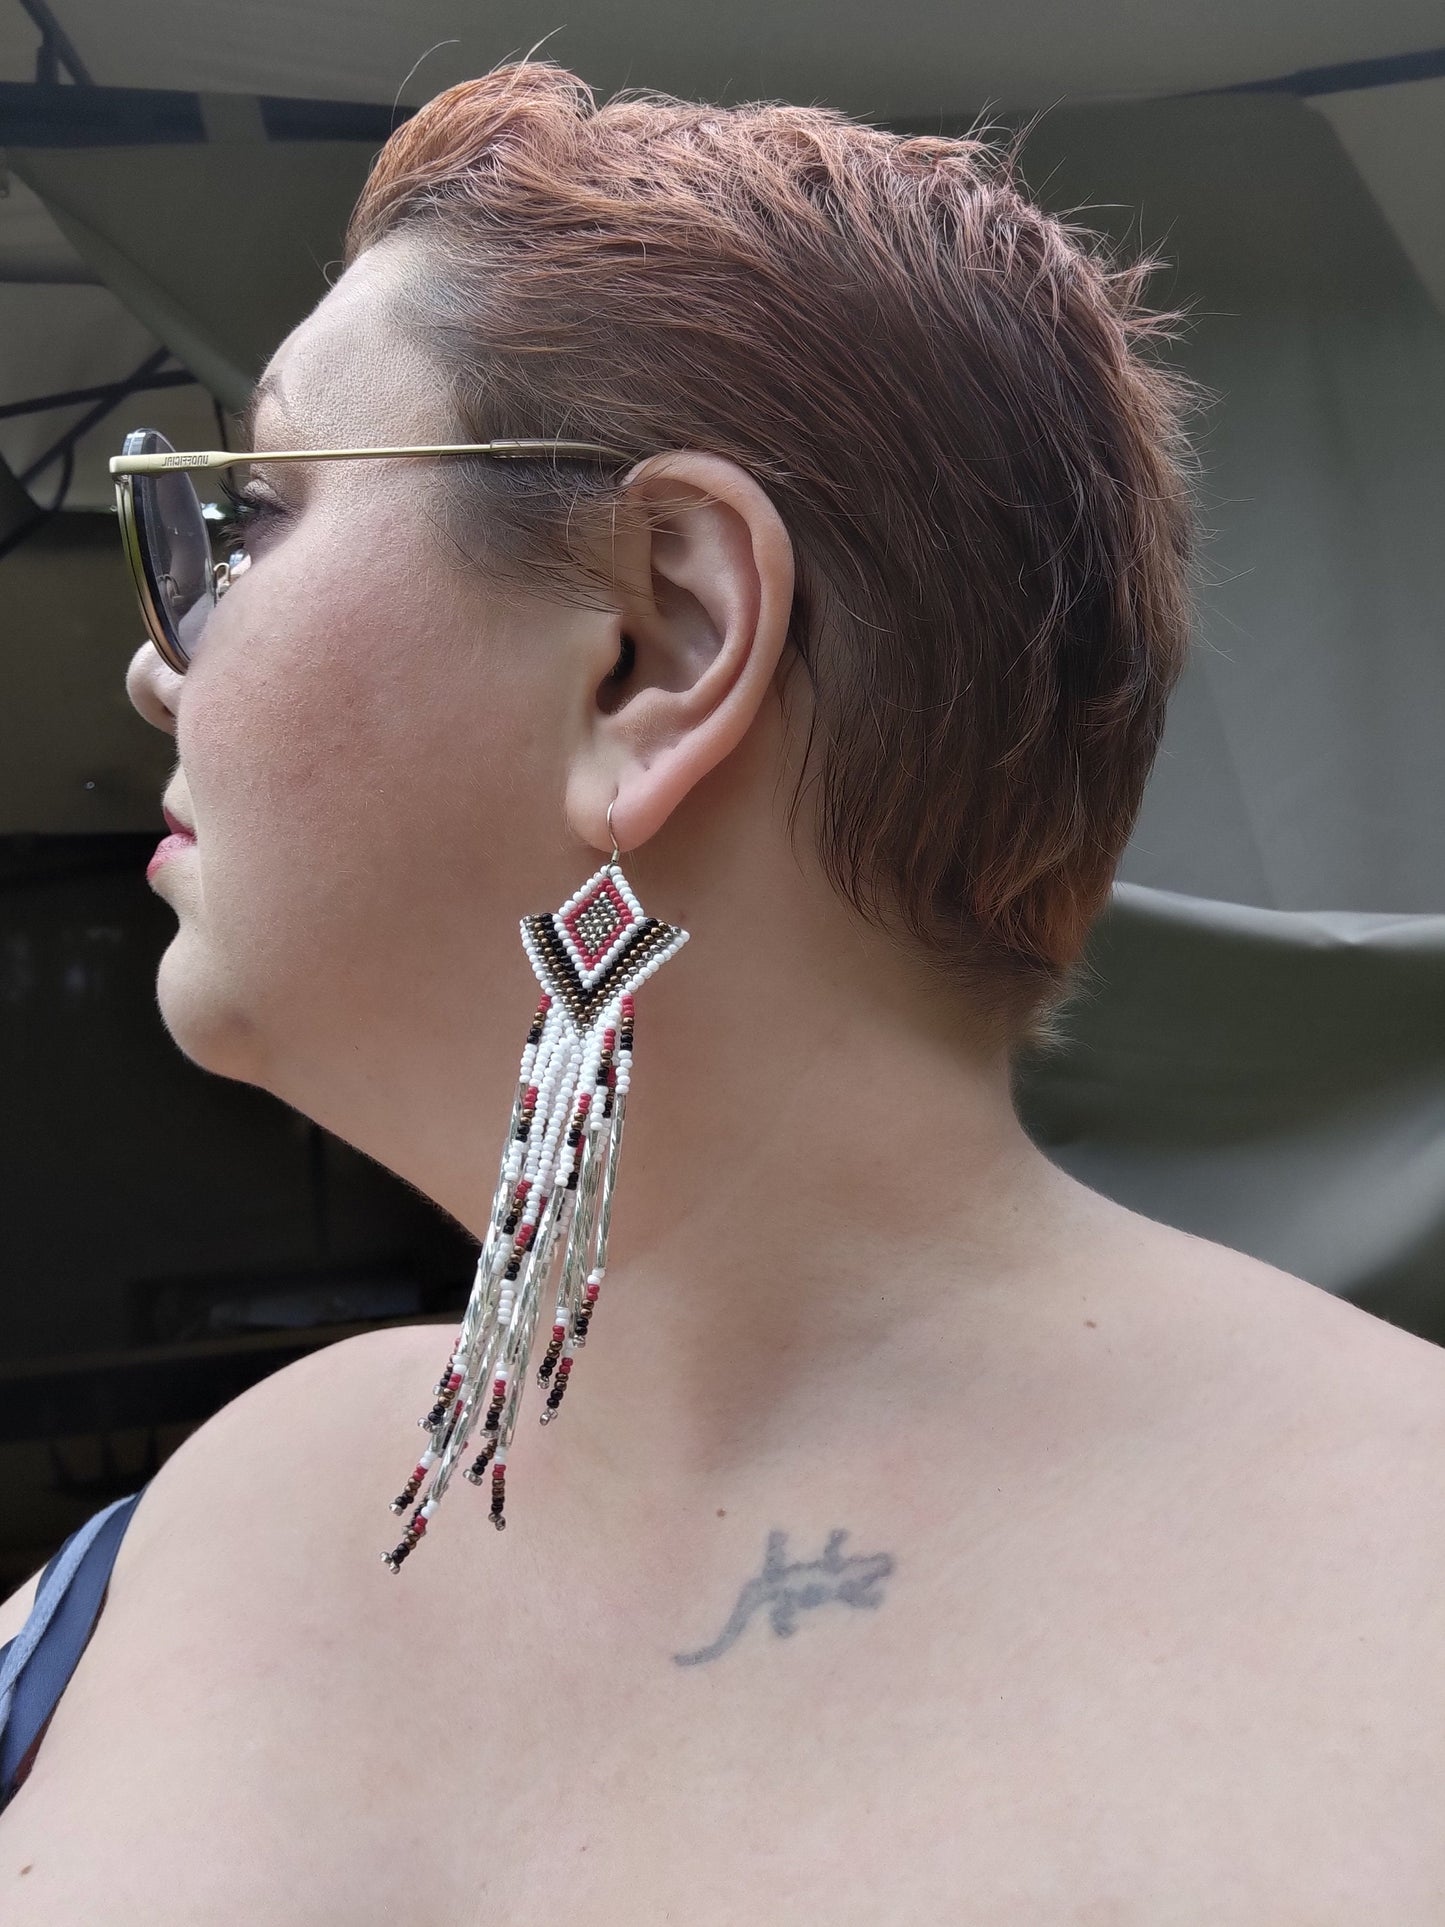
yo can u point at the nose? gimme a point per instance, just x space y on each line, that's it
153 687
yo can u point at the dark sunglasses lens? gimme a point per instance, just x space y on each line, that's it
177 546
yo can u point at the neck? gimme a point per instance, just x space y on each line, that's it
819 1172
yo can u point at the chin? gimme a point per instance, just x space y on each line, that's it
203 1023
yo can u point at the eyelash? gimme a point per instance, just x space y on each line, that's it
248 513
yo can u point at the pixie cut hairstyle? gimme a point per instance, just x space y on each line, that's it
953 399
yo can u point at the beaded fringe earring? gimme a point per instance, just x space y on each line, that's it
553 1204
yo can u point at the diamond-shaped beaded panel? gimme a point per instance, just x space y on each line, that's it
598 923
598 945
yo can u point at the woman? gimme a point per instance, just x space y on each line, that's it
925 1536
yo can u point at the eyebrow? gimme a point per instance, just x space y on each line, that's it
267 388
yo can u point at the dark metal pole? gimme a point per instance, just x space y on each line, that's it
101 409
55 40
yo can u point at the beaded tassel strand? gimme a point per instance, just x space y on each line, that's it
552 1206
569 1330
519 1231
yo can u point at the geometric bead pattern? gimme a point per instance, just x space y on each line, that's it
598 945
602 917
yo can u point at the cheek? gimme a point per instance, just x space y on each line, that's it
364 757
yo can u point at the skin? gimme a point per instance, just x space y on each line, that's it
387 761
926 1537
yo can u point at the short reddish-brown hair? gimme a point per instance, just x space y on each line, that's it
950 397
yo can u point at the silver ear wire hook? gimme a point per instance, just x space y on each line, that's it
611 832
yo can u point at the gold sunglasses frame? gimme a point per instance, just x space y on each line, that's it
124 469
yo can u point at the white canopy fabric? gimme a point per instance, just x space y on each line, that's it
918 61
914 58
1264 1058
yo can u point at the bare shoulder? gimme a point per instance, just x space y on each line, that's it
256 1455
1309 1435
1339 1373
314 1441
1373 1356
335 1388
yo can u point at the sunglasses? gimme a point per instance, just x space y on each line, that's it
170 536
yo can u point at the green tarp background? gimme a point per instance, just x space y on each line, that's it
1273 1080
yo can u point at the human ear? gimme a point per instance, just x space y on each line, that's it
704 573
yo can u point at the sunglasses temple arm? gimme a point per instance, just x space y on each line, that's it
168 465
205 460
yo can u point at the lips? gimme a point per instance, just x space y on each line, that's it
182 837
